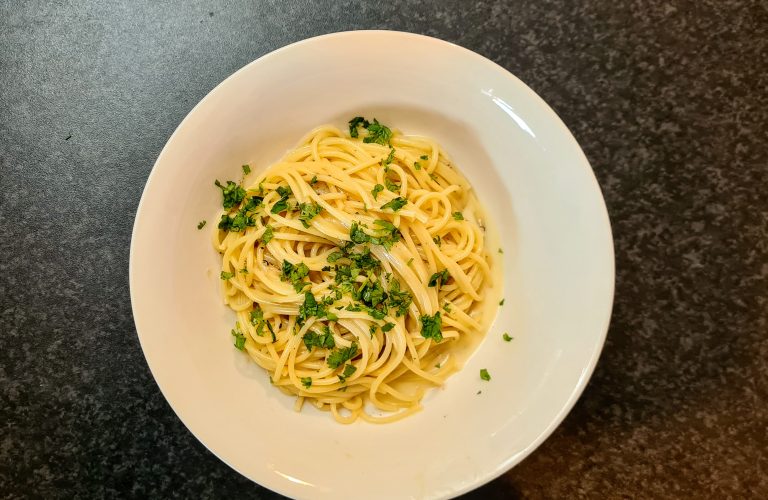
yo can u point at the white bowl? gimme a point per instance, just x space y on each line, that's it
527 169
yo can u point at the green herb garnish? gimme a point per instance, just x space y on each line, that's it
201 224
439 278
391 185
325 340
308 211
348 371
458 216
246 169
378 133
485 375
396 204
232 193
268 234
282 204
225 275
378 188
295 274
340 356
389 159
356 122
306 382
430 327
501 302
506 337
239 337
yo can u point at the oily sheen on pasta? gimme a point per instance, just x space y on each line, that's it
357 269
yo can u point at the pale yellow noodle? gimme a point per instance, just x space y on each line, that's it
337 173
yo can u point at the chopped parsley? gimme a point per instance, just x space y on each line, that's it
501 251
268 234
438 241
239 337
295 274
387 327
378 188
271 331
439 278
378 133
417 165
282 204
410 261
257 320
447 307
424 157
226 275
311 307
232 193
342 355
348 371
389 159
357 234
391 185
396 204
506 337
485 375
430 327
501 302
237 223
325 340
313 180
334 256
458 216
201 224
399 300
308 211
306 382
356 122
387 234
246 169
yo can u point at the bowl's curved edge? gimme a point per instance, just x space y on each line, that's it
588 371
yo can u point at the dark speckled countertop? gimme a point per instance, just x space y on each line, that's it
669 100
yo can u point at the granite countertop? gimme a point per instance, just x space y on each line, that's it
669 100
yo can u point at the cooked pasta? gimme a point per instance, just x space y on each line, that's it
357 268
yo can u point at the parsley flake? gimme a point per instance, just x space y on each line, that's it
306 382
348 371
458 216
378 188
232 193
308 211
506 337
340 356
201 224
485 375
356 122
225 275
378 133
246 169
396 204
239 338
439 278
430 327
268 234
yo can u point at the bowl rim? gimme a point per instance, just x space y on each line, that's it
589 368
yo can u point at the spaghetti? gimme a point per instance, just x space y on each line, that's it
357 269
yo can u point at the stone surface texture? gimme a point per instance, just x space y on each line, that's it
669 100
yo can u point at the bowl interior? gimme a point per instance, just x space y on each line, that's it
548 214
